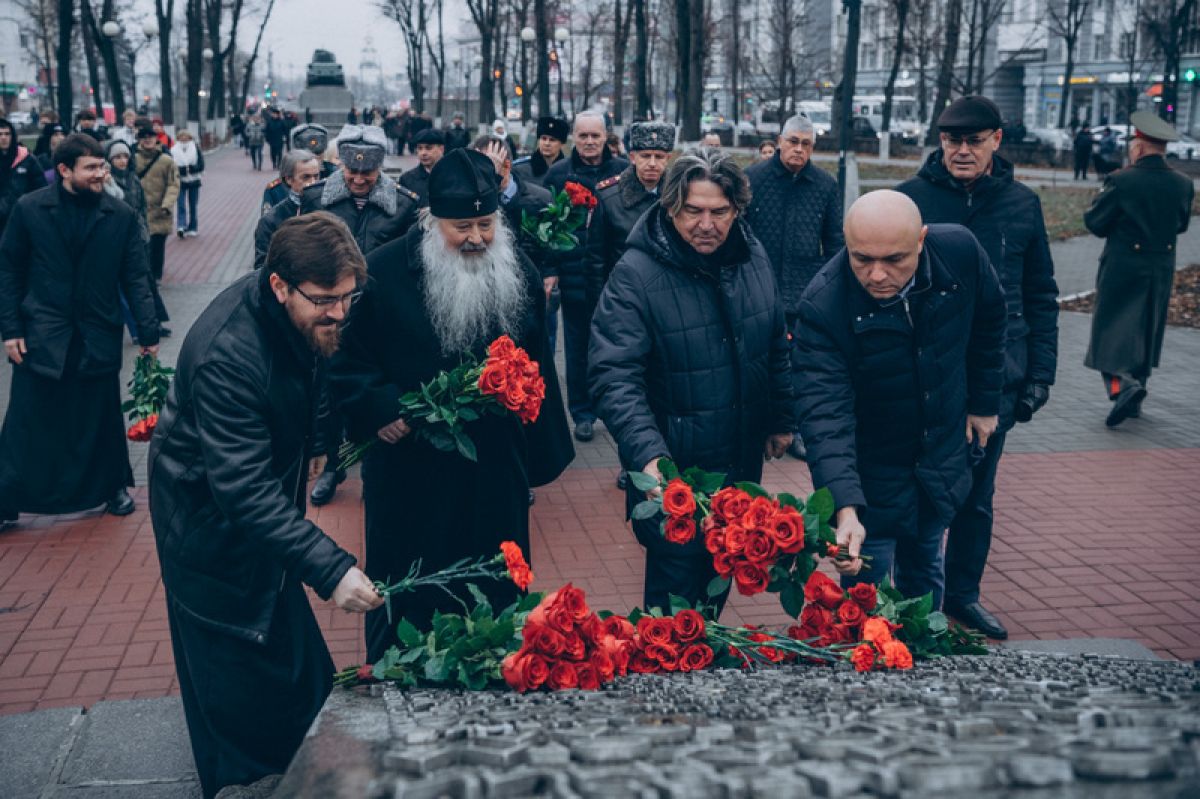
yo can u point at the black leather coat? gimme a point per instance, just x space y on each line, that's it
228 464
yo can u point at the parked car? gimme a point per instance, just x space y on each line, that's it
21 120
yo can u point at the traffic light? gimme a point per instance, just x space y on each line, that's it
1189 75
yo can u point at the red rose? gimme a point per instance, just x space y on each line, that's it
865 595
574 649
896 655
502 349
640 663
729 503
543 639
677 499
666 655
750 578
787 529
513 397
849 613
735 537
759 512
591 628
493 380
769 652
816 617
618 627
562 675
589 680
863 657
603 666
695 657
760 548
514 561
366 673
689 626
574 601
714 537
617 651
679 529
653 630
525 671
820 588
840 633
723 564
878 630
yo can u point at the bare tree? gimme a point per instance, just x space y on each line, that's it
1169 24
519 10
954 9
214 14
926 32
437 56
899 12
38 27
778 63
164 15
622 20
641 65
985 15
66 24
593 22
248 70
1065 19
413 17
96 101
95 38
689 22
486 16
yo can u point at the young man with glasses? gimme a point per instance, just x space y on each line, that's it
228 465
967 183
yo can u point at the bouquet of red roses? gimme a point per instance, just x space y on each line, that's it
506 382
148 393
554 226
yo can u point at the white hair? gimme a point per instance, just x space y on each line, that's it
587 115
797 124
470 298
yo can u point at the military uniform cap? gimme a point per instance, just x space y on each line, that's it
651 136
361 148
463 185
1150 126
311 137
970 114
553 126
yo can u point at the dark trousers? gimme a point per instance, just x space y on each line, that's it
189 200
247 705
1114 384
276 154
970 536
255 155
158 254
553 303
577 325
1081 164
910 554
684 575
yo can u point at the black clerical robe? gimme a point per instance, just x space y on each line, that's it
422 503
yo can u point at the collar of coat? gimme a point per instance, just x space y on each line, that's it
935 172
780 170
633 191
383 193
577 163
540 164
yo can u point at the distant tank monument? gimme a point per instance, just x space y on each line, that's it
325 95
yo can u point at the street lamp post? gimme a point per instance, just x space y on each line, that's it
207 55
560 37
527 36
477 62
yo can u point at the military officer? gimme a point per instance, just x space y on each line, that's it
315 139
552 137
1140 211
430 145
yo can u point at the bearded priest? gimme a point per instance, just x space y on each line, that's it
444 291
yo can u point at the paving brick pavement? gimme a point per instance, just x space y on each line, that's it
1095 532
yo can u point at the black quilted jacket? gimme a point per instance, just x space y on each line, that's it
798 219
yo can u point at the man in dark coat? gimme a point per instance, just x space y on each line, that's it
1081 150
966 183
430 145
68 252
796 213
305 138
551 137
448 288
517 199
1140 211
20 173
689 353
416 124
227 469
590 163
457 136
900 346
275 133
299 170
377 210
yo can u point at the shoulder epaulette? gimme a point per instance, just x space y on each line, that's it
274 183
412 195
604 184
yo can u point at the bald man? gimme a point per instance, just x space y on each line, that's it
899 358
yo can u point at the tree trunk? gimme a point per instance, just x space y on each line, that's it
441 59
620 43
248 73
845 109
195 62
108 55
216 78
641 62
66 94
1068 71
889 90
543 57
972 30
946 68
735 62
93 68
165 17
487 85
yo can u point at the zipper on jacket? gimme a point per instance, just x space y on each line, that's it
907 313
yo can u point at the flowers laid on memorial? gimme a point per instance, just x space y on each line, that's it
506 382
553 228
147 394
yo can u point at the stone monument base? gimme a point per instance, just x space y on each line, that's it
328 104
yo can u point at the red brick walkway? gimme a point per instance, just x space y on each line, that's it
1097 544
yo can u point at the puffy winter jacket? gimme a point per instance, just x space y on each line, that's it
884 387
24 175
689 354
228 465
798 219
1006 217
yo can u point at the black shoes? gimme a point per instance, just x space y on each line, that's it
8 518
532 497
976 616
326 486
797 449
1128 405
121 504
584 431
622 480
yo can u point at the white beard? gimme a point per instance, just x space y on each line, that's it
469 297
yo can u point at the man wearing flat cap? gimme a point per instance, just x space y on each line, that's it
965 182
1140 211
551 137
431 146
377 210
449 288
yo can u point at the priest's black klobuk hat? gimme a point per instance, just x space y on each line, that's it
463 185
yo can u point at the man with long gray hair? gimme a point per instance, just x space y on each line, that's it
689 355
445 291
796 213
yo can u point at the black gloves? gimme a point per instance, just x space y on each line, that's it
1032 398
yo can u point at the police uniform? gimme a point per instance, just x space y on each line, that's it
533 168
416 179
1140 211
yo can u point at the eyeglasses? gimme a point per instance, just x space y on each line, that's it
973 142
346 300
